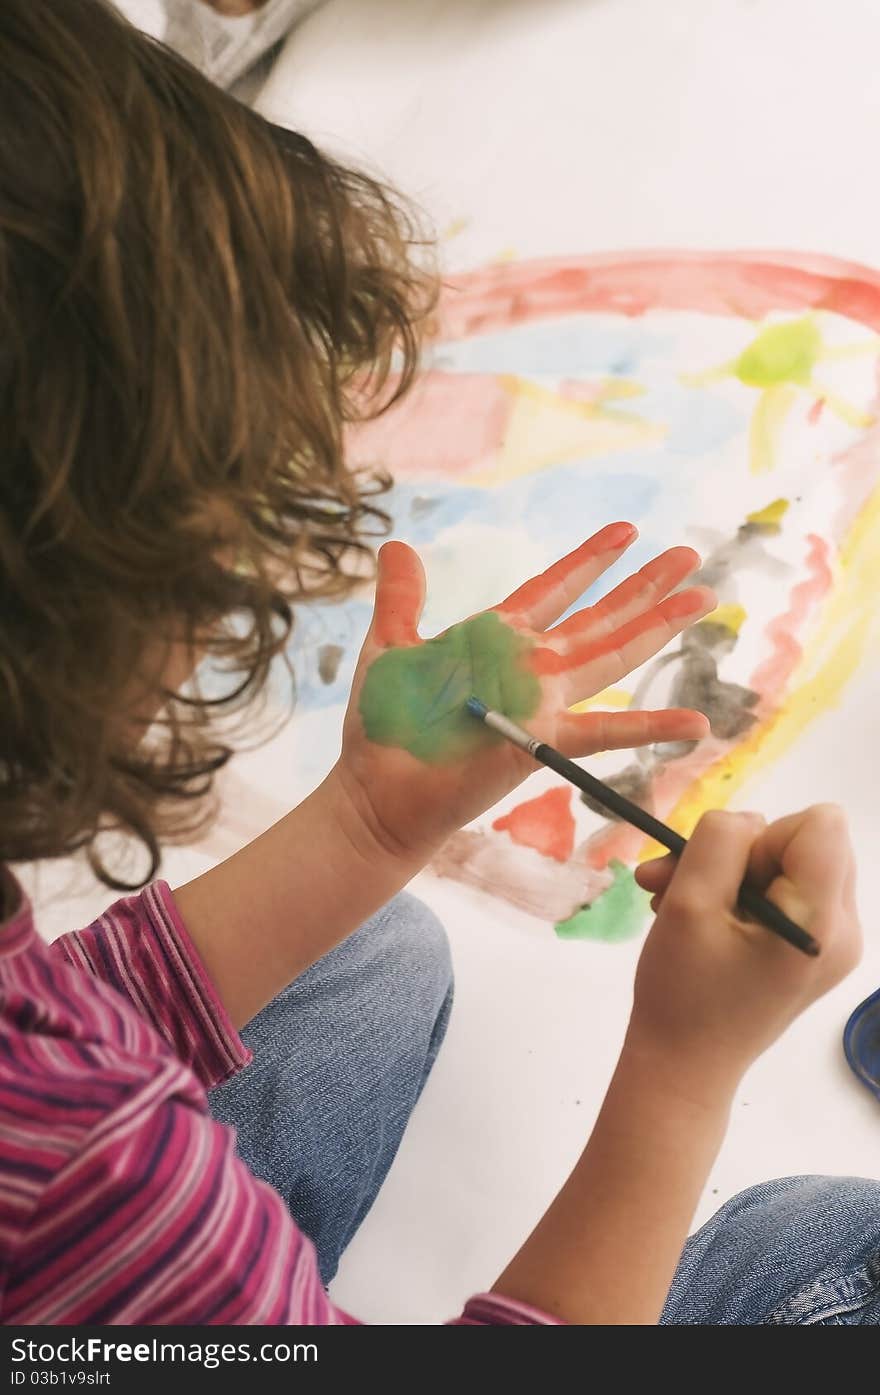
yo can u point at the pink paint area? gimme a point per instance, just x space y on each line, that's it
414 440
771 677
618 841
539 886
748 285
545 824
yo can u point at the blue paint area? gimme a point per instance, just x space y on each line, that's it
655 484
423 510
344 624
577 498
697 422
576 346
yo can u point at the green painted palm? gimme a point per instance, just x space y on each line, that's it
419 765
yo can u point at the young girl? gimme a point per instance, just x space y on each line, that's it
192 307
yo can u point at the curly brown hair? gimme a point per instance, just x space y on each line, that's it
193 306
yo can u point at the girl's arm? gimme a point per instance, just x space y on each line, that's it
712 993
415 766
607 1248
261 917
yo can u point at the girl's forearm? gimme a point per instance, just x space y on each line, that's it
607 1249
261 917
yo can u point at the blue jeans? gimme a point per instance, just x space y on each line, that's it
340 1058
799 1251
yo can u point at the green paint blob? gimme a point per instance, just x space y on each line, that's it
617 915
415 698
785 353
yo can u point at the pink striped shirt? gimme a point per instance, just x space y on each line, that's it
121 1200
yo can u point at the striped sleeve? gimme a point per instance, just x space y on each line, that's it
141 948
156 1221
494 1310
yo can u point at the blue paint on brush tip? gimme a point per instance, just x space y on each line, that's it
476 708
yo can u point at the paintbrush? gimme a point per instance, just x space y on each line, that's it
749 900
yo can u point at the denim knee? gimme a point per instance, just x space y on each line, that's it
793 1250
413 942
340 1059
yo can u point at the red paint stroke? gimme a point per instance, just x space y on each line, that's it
770 677
545 824
746 284
414 440
448 425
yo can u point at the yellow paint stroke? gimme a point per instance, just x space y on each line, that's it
853 416
765 431
864 349
771 515
829 660
544 429
731 616
612 389
609 697
779 363
454 229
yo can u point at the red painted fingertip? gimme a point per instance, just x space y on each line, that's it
698 727
688 557
617 534
687 603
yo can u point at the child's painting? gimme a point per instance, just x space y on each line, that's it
725 401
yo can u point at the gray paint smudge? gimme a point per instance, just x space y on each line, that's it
696 683
633 783
329 656
422 506
745 551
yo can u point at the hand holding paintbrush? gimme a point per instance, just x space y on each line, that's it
711 994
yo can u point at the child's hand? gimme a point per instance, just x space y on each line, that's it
712 991
417 765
